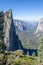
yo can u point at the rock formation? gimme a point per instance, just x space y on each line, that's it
11 38
39 27
10 34
7 24
19 24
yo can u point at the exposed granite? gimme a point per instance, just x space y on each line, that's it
7 28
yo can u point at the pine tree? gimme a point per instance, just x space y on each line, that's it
2 45
33 54
40 51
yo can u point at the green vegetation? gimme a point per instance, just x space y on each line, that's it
28 39
40 52
2 45
17 58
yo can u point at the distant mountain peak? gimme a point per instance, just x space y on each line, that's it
40 26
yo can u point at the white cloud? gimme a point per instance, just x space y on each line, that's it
26 18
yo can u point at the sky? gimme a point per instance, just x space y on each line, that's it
24 9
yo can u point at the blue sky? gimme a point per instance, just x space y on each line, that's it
23 9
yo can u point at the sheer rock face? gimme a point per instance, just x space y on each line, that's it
7 28
19 25
40 27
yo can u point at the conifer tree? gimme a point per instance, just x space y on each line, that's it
40 51
2 45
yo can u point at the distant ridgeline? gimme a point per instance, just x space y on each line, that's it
11 39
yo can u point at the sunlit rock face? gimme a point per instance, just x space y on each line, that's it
40 27
11 38
19 25
7 27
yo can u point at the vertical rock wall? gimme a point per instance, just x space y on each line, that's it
39 27
7 25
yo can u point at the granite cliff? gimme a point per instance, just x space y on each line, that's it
40 26
11 38
7 24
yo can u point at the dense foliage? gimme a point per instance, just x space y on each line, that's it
40 51
17 58
2 45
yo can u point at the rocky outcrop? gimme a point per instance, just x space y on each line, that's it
7 25
19 24
39 27
11 38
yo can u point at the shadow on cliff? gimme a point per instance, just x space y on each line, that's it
15 43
